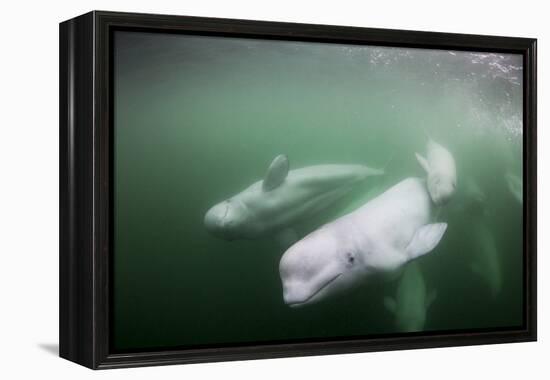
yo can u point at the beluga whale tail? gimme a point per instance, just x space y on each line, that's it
274 204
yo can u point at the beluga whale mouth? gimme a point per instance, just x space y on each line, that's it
215 217
311 298
316 267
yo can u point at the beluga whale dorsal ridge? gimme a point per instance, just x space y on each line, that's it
440 168
276 173
381 236
282 198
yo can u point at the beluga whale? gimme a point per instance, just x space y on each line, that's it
273 205
440 167
379 237
412 300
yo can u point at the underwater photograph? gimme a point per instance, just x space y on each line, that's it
279 191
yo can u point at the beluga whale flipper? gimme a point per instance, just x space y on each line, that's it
440 167
273 205
380 236
412 300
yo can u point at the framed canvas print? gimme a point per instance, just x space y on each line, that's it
237 189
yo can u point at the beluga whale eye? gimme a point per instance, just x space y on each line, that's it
350 258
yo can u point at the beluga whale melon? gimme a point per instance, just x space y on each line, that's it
382 235
440 167
273 205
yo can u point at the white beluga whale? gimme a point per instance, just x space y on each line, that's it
515 185
411 301
276 203
380 236
440 167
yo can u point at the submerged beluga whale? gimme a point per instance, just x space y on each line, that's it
440 167
276 203
380 236
412 300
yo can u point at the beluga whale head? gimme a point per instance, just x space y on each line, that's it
441 189
232 219
318 266
227 220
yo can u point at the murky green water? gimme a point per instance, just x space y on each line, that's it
198 119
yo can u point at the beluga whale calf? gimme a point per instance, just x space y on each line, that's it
380 236
440 167
282 198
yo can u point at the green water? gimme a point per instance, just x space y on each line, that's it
198 119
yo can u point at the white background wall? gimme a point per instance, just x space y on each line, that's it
29 187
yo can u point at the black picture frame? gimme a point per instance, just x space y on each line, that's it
86 184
